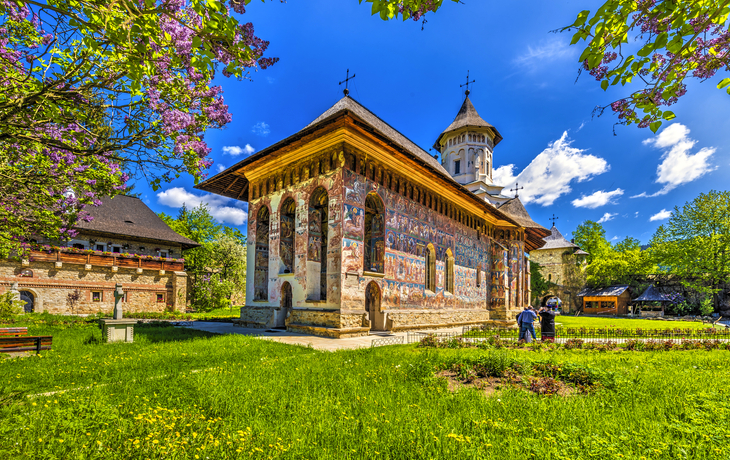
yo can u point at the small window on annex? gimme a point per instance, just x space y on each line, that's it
261 259
449 285
430 268
457 167
374 234
96 296
160 298
286 236
317 245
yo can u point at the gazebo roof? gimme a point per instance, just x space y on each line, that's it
652 294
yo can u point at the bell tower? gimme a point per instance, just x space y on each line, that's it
466 149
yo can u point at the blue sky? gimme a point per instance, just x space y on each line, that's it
570 163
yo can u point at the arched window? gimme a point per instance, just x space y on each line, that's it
286 235
317 245
261 261
479 275
374 234
430 268
449 285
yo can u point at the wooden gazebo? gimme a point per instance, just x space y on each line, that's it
650 298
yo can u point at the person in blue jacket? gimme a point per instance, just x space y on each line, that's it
527 329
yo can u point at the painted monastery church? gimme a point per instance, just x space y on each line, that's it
354 228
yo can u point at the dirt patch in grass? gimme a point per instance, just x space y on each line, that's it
546 386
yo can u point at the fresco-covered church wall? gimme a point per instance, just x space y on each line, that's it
293 246
409 228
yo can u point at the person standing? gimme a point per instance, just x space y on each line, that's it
527 330
547 324
519 324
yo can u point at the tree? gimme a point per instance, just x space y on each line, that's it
94 92
217 268
680 39
539 286
695 243
591 237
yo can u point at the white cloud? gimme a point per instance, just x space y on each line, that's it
606 217
580 127
261 129
614 238
548 51
661 215
678 166
549 175
217 205
599 198
637 214
221 167
234 150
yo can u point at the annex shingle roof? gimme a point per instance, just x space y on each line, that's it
557 241
516 210
611 291
129 216
468 117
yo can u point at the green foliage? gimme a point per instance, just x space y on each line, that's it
695 243
538 284
678 40
9 306
706 307
405 9
591 237
218 266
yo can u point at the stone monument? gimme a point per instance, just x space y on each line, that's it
118 329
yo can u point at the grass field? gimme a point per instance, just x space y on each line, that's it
179 394
628 323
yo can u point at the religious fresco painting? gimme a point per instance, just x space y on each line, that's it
408 228
352 255
354 222
286 235
261 261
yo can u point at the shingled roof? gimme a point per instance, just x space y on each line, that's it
128 216
516 210
557 241
652 294
468 118
611 291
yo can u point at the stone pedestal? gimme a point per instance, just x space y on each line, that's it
117 330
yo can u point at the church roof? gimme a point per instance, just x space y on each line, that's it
516 210
557 241
349 104
128 216
468 117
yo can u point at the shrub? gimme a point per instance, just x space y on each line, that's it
635 345
571 344
9 306
545 386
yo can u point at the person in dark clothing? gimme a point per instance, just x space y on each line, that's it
547 324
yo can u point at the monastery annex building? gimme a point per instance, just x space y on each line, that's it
354 228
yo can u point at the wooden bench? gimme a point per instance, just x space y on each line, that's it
13 331
16 339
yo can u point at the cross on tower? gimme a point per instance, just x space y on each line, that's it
516 189
553 219
346 81
467 83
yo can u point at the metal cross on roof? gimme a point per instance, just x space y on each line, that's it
467 83
554 219
346 81
516 189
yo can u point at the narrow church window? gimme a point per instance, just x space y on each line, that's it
286 235
261 261
449 285
479 275
317 245
374 234
457 167
430 268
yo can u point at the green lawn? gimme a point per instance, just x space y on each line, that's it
627 323
178 393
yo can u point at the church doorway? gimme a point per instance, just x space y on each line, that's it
286 305
29 299
372 307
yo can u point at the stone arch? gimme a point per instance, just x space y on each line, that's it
287 227
374 237
31 299
285 306
373 303
261 258
317 226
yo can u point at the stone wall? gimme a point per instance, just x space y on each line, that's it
51 286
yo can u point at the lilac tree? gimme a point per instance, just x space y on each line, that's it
678 40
